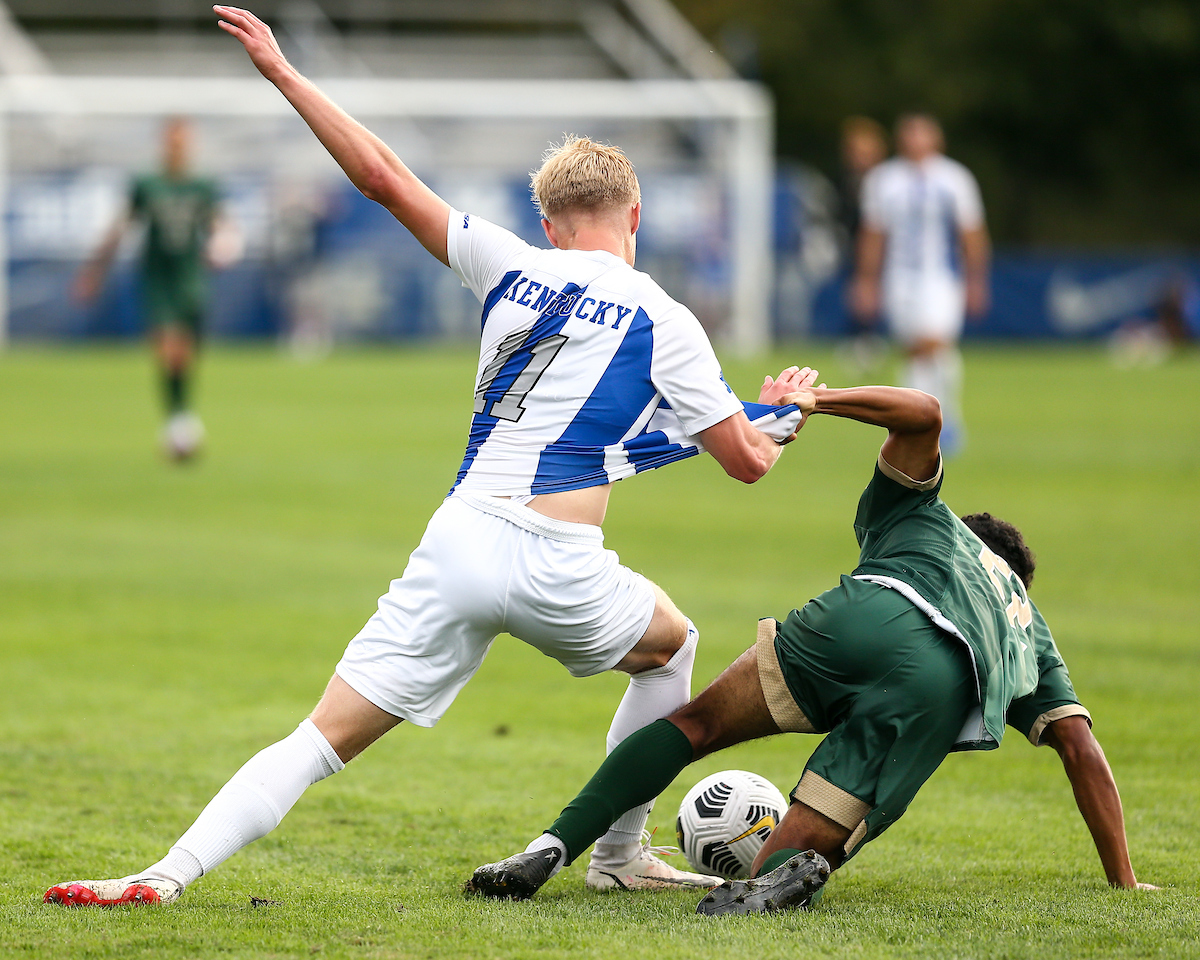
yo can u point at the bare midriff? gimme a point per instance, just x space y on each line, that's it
574 506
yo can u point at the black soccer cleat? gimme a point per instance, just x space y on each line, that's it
791 886
518 877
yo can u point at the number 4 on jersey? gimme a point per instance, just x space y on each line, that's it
510 406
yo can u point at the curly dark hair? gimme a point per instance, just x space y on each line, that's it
1004 540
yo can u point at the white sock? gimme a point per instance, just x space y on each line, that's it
250 805
938 374
546 841
950 373
651 695
920 373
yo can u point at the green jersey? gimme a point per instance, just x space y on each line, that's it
178 215
912 542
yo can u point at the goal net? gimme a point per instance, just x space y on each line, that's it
320 262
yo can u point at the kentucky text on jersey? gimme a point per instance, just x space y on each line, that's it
588 371
539 297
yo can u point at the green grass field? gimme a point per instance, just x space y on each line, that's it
159 624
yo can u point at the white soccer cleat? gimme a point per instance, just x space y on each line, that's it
183 435
132 891
647 872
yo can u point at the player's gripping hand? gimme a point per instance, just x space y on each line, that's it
791 379
256 37
805 398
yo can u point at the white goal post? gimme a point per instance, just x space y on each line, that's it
744 107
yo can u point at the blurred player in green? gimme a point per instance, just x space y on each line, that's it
181 214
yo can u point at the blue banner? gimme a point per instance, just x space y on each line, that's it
1046 294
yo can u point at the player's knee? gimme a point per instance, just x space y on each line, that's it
703 731
654 659
669 622
666 634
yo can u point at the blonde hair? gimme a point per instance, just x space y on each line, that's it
581 174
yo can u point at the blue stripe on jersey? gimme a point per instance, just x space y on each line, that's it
648 451
495 294
652 450
756 410
949 227
482 424
576 459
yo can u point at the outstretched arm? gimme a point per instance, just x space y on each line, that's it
913 420
91 275
864 288
1096 794
977 254
367 160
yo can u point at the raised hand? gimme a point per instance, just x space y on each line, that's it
256 37
790 380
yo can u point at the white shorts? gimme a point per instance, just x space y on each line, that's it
924 306
485 566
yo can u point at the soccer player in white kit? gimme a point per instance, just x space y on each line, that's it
922 260
588 373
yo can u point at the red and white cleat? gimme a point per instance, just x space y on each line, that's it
133 891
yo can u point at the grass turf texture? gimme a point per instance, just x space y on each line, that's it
159 624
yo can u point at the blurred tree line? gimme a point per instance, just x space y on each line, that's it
1081 118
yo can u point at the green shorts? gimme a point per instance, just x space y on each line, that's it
892 691
174 295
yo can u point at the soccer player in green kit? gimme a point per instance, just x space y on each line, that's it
930 646
180 212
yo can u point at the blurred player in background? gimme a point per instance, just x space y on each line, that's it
864 147
1174 324
923 255
588 373
184 236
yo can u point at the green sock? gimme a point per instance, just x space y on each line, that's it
642 766
175 391
777 859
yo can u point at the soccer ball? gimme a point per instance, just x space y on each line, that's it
725 819
182 436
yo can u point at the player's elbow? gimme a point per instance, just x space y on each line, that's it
759 468
1078 747
928 413
750 467
378 183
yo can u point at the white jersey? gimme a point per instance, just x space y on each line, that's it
921 208
588 371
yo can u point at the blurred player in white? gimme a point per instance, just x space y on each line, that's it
923 255
588 373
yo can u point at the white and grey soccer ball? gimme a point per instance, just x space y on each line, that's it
725 819
183 436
